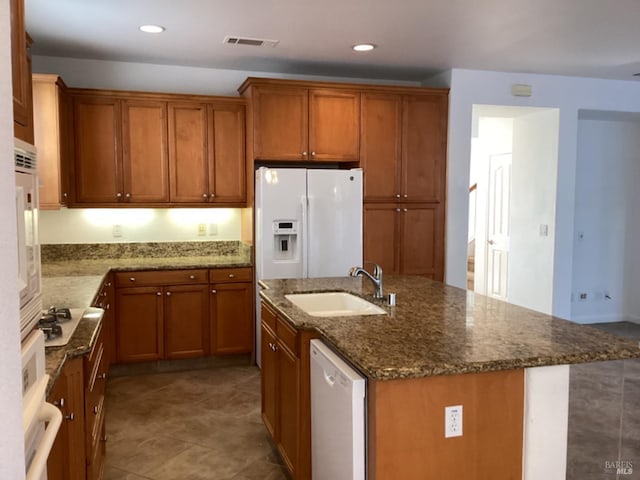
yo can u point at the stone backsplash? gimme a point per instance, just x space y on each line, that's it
96 251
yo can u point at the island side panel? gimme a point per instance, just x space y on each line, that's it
406 427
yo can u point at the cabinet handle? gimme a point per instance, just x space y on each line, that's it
214 291
128 195
95 410
304 154
132 279
168 294
204 195
192 277
231 275
59 403
118 195
71 417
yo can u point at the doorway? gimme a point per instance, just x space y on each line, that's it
513 168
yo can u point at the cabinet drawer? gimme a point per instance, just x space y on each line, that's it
268 317
287 335
221 275
160 277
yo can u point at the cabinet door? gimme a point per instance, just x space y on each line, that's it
269 379
421 252
288 408
227 171
232 318
144 153
280 123
73 373
380 142
19 80
139 329
186 321
424 147
334 125
381 236
188 153
98 147
56 462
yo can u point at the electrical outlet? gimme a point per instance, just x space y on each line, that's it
117 231
202 229
453 421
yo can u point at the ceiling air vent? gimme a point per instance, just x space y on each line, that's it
254 42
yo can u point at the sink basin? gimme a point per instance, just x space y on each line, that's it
333 304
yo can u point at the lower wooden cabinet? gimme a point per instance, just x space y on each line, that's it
176 314
286 403
105 299
405 238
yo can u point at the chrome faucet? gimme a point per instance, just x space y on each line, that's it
376 278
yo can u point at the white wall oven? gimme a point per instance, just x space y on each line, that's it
29 279
40 419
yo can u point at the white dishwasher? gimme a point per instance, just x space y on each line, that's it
337 417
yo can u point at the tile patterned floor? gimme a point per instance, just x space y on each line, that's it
604 415
195 425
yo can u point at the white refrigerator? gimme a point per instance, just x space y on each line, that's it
308 224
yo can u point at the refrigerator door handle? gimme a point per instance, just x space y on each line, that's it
304 235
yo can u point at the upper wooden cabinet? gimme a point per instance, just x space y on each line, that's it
206 153
158 149
52 121
403 146
120 150
295 121
21 74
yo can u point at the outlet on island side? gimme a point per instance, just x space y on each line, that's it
453 421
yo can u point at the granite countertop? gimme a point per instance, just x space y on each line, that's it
437 329
72 275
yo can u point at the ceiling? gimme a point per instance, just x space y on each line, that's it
415 38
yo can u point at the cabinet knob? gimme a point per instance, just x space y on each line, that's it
231 275
118 195
71 417
214 291
132 279
95 409
397 195
108 284
128 195
404 209
105 438
273 347
59 403
65 194
103 376
212 195
397 209
107 306
192 277
304 154
405 195
159 294
168 294
313 154
204 195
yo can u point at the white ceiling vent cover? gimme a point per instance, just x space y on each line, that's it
254 42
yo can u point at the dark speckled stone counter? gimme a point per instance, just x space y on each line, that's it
440 330
72 275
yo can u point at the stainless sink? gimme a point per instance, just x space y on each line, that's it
333 304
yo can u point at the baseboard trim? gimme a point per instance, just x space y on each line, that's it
607 318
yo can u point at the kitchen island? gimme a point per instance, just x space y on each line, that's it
442 346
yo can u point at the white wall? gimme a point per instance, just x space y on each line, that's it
569 94
606 258
96 225
12 437
85 73
533 204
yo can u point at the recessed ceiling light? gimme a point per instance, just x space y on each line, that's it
152 28
364 47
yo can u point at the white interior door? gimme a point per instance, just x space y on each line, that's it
498 225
